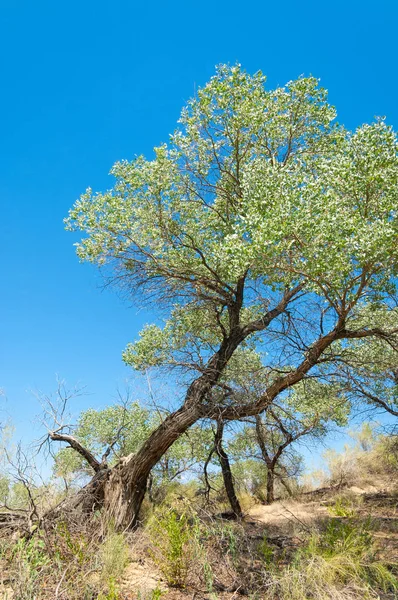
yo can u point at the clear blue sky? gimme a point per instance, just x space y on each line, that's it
87 83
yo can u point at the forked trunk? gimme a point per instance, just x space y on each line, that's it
286 485
121 489
126 484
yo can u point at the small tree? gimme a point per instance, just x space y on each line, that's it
226 471
306 412
100 437
261 223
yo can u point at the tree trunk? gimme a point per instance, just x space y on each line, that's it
286 485
125 488
120 490
149 488
270 485
226 471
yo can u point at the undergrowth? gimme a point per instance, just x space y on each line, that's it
171 545
337 560
64 563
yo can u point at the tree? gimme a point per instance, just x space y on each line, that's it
308 411
100 436
265 232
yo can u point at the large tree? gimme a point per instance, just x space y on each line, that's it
265 232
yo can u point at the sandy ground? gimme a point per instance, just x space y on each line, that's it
283 514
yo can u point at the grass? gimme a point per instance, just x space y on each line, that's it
336 560
63 563
114 557
339 562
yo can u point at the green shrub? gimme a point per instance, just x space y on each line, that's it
266 552
155 594
343 537
343 506
71 546
112 592
29 561
170 536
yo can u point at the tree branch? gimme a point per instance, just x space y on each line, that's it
76 445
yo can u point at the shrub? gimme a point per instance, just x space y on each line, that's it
28 561
170 536
112 593
343 506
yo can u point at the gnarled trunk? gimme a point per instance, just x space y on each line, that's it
120 490
125 487
285 484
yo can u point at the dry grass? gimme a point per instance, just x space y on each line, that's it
328 545
285 555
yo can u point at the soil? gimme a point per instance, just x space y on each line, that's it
284 524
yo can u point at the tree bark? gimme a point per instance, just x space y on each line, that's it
149 488
226 471
270 485
285 484
125 488
270 463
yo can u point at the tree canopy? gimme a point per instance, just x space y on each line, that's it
257 189
267 235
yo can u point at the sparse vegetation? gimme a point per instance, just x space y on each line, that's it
342 550
172 545
267 235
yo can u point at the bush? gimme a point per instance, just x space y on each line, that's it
170 536
28 561
343 506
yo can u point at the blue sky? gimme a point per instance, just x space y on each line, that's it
87 83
